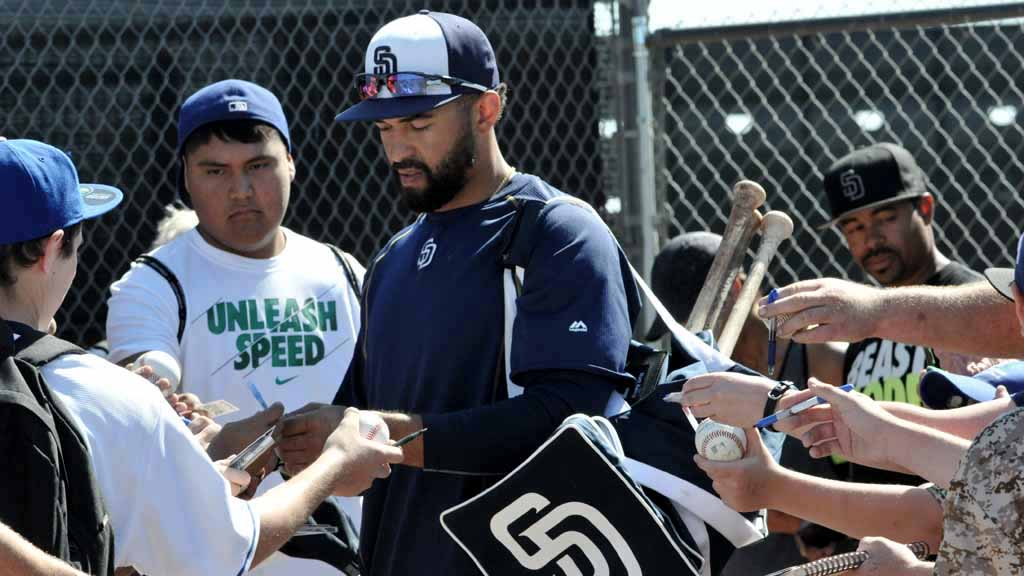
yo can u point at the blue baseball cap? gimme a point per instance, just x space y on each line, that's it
227 100
41 194
1003 279
940 389
427 43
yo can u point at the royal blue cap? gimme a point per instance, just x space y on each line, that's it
228 100
231 100
41 194
428 43
940 389
1003 279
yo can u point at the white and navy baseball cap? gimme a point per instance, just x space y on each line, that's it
421 62
41 194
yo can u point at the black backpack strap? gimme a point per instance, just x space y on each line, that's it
81 532
179 292
39 348
6 341
342 258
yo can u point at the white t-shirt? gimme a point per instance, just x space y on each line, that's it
287 324
171 511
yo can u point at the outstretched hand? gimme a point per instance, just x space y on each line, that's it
726 397
364 460
744 484
825 310
888 558
853 426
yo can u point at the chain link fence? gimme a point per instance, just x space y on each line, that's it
777 103
104 79
773 102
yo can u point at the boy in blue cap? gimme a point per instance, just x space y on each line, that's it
170 510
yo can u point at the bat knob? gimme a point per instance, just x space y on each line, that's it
776 225
748 194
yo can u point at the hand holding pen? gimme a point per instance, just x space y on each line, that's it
772 334
852 426
796 409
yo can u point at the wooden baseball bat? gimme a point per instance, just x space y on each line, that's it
775 228
747 196
715 320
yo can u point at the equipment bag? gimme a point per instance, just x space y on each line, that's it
658 439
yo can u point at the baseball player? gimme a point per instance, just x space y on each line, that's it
253 312
431 349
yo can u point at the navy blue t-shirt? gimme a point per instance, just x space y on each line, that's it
432 344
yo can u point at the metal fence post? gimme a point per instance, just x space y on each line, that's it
646 217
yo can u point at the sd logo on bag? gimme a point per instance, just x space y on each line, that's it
570 509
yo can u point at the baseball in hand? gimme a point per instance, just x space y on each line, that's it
164 366
373 427
720 442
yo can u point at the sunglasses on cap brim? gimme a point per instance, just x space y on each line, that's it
401 84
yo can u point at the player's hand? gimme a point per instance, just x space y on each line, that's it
304 433
235 436
744 484
238 479
727 397
363 460
857 427
826 310
888 558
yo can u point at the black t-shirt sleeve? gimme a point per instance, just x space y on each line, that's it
954 274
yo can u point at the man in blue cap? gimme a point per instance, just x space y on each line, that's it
432 350
251 311
170 510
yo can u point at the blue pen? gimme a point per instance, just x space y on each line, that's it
257 395
772 297
186 421
796 409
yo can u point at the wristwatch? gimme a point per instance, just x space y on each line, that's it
774 395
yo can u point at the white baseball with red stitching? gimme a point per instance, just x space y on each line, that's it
721 442
373 427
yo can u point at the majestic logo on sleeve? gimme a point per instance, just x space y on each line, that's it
547 549
281 331
578 326
853 185
384 60
426 254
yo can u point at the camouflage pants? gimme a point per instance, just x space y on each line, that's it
983 526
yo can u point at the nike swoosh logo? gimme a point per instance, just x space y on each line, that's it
283 381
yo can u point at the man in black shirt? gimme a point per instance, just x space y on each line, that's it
880 202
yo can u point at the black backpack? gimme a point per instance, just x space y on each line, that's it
49 493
